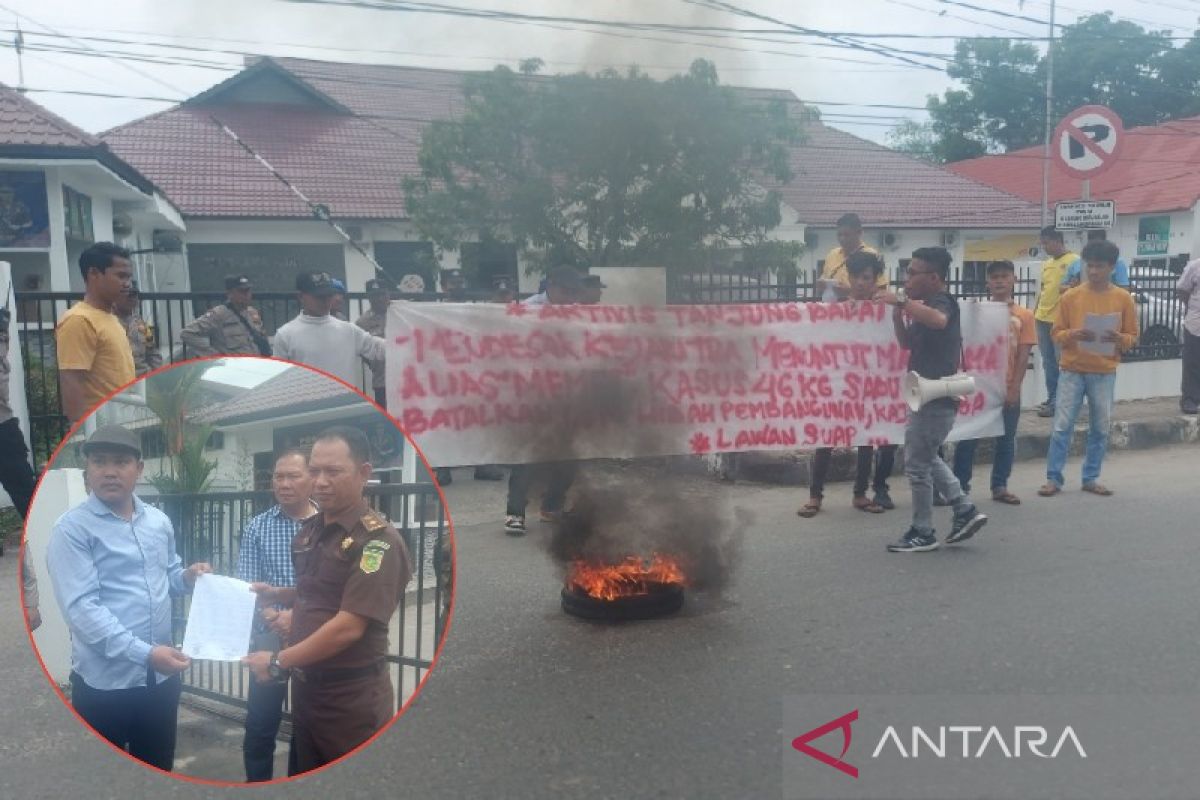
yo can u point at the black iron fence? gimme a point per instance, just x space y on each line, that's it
209 527
1160 313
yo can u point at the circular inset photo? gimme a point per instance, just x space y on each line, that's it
246 570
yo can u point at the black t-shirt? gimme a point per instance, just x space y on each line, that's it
936 353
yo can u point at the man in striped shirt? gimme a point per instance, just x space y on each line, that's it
265 556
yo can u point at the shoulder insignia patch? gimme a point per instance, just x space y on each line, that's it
373 522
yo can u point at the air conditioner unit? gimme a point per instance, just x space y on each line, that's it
889 240
167 242
122 224
949 238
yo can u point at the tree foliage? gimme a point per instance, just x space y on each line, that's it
1098 60
170 395
605 169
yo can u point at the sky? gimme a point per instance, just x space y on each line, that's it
228 28
245 373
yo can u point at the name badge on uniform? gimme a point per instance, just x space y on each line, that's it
372 556
347 542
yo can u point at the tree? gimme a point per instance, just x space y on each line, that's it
606 169
169 394
1001 105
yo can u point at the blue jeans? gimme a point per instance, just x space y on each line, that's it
1002 460
1073 388
1049 359
926 431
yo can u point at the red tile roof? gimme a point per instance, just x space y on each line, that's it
354 163
1159 170
290 392
24 123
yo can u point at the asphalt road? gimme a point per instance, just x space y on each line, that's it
1077 594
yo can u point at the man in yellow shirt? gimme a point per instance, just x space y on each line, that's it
94 356
1054 270
1089 365
834 273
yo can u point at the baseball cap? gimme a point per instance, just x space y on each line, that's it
451 274
341 287
377 285
316 283
592 282
564 278
112 437
237 282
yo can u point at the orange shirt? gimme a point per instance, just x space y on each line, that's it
1073 308
835 266
1022 329
95 342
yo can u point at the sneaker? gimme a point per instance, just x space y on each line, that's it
883 499
1045 410
514 525
914 542
966 524
550 516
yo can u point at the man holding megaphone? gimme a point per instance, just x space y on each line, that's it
926 318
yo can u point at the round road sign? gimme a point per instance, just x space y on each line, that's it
1088 141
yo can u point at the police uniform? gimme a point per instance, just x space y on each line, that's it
225 331
374 324
141 341
16 476
356 562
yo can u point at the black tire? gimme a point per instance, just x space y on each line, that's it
1158 336
664 598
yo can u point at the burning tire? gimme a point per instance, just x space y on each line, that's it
658 600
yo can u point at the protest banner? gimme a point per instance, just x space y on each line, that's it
510 384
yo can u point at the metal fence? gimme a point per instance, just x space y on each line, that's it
209 526
1160 313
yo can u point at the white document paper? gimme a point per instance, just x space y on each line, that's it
1100 324
220 619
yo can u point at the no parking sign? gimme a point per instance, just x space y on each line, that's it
1088 141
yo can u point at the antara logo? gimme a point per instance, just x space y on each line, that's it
947 741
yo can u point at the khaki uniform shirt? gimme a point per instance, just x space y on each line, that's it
220 332
356 562
141 341
374 324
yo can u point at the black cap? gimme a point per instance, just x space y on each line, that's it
113 437
237 282
593 282
452 274
377 285
564 278
318 283
502 282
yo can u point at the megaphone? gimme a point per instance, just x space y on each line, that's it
918 391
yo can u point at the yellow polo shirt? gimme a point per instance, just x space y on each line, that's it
1053 272
835 266
94 341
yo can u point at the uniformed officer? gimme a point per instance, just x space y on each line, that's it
373 321
232 328
141 340
351 570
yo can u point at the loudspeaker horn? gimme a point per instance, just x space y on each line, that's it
918 391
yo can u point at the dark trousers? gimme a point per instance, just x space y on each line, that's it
140 720
264 710
1002 460
862 475
1191 367
329 720
16 476
558 475
381 397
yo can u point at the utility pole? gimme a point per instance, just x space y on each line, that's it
1049 121
19 46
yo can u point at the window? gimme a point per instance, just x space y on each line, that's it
154 444
78 210
216 441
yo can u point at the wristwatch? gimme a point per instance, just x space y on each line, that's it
276 672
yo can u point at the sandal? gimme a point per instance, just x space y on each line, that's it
1049 490
1099 489
1006 497
862 503
810 509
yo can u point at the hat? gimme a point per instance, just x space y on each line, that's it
452 274
112 437
236 282
564 278
341 287
502 282
592 282
316 283
377 285
412 284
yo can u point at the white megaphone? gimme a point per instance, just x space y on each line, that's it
918 391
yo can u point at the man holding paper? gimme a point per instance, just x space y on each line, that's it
351 570
114 568
1096 323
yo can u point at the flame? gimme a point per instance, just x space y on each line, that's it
633 576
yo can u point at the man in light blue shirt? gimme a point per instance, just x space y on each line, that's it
114 567
1074 273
